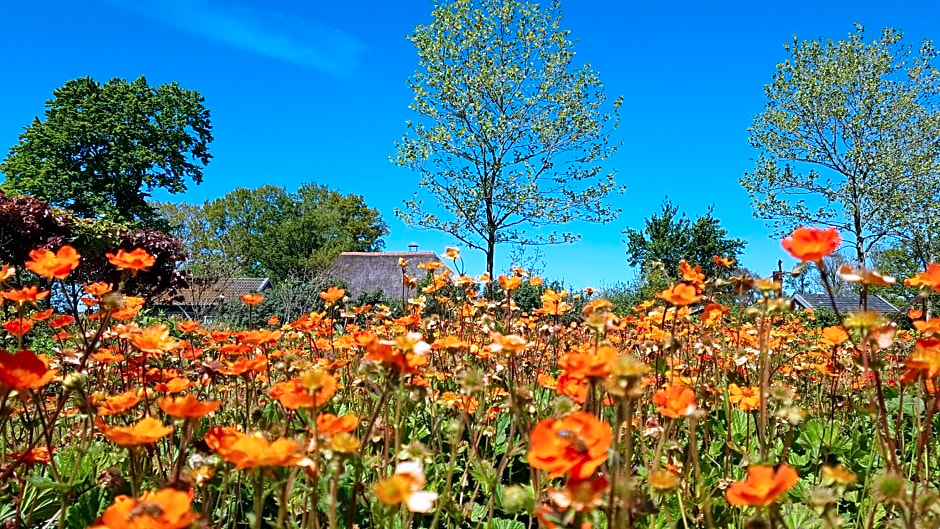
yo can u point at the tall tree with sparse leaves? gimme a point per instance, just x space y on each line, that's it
103 148
850 138
510 134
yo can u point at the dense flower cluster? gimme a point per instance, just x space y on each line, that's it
687 407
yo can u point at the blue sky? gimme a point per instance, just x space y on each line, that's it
317 92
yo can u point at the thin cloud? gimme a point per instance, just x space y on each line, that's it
298 41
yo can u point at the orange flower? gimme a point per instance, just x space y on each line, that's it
925 359
186 407
332 295
763 485
42 316
675 401
53 265
252 299
249 451
691 274
148 430
24 370
37 455
25 295
154 339
746 399
575 445
386 353
98 289
120 403
723 262
329 424
405 487
187 326
812 244
61 321
174 385
6 272
850 274
18 327
310 390
135 261
834 335
593 365
928 278
167 509
464 403
574 388
509 283
680 294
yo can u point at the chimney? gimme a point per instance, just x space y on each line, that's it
413 247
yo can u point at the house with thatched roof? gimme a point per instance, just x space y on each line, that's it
844 302
368 272
203 298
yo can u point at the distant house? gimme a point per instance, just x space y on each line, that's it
378 271
204 297
844 302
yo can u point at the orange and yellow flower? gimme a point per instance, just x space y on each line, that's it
405 487
680 294
763 486
250 451
252 299
575 445
56 265
812 244
675 401
746 398
166 509
136 260
24 370
147 430
187 407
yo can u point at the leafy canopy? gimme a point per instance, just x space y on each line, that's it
102 149
848 138
510 132
269 232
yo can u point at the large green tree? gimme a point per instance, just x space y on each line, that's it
101 149
849 138
510 133
270 232
668 237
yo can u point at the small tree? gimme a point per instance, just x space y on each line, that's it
848 138
669 237
102 149
510 133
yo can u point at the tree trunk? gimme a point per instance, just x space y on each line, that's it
490 258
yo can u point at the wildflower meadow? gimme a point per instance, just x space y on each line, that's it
692 409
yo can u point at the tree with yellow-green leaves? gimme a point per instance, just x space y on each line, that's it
511 134
850 138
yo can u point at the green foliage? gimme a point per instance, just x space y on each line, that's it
848 138
624 296
102 149
510 133
669 237
269 232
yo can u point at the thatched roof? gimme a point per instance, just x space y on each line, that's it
203 292
844 302
372 271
